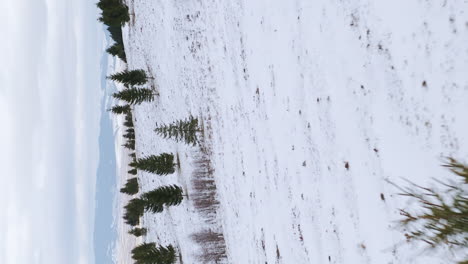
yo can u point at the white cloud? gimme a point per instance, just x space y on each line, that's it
49 111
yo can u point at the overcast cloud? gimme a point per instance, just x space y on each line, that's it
49 115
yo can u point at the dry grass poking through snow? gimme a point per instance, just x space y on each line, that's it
204 198
213 246
204 187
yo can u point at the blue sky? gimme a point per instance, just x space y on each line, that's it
50 108
105 231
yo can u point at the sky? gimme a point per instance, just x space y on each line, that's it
50 109
105 229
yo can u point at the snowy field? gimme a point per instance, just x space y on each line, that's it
309 109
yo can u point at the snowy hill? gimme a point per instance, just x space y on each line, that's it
309 109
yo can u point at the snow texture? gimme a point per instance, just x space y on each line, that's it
309 108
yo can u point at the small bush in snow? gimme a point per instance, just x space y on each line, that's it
442 219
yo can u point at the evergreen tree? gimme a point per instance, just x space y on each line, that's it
133 211
138 232
129 119
130 144
120 109
114 13
132 172
128 123
131 187
166 195
117 50
442 220
133 77
181 130
116 34
129 136
148 253
161 165
135 95
142 250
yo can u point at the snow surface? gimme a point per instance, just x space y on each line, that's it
309 109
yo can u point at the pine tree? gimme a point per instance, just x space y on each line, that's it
161 165
132 172
130 144
133 211
148 253
181 130
133 77
128 119
131 187
138 232
129 136
117 50
142 250
135 95
114 13
167 195
128 123
120 109
442 220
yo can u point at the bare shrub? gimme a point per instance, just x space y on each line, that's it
205 201
204 194
213 245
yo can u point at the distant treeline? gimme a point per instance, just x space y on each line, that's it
114 15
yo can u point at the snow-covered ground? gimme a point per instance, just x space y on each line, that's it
309 108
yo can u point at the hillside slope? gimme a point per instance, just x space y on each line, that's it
309 108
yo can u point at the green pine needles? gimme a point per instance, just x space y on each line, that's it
131 187
181 130
130 144
156 199
128 120
138 232
135 96
117 50
161 165
133 77
442 220
120 109
149 253
114 12
133 211
153 201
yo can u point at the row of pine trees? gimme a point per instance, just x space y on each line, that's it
156 200
114 15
